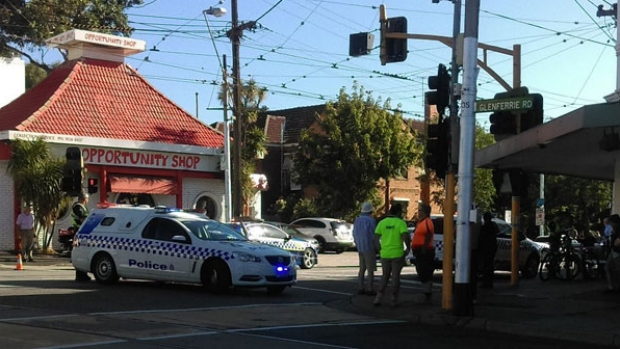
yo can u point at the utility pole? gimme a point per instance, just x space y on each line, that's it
235 37
464 300
227 184
235 34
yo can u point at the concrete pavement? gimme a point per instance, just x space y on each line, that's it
575 311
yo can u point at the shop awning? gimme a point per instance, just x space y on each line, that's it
142 184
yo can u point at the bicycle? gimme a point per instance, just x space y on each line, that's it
592 267
563 263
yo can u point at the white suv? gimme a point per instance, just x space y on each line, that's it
332 234
165 244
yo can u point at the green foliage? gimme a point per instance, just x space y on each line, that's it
253 141
583 199
34 75
357 143
37 175
484 191
306 208
25 25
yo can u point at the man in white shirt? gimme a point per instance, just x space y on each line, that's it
25 224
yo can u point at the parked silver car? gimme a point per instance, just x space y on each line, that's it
304 249
331 233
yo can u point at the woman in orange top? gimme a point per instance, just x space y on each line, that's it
423 249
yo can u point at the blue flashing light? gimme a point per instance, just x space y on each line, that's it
164 209
282 271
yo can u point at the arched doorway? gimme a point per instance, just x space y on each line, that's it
135 199
207 204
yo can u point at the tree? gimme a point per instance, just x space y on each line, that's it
356 143
25 25
584 199
254 138
37 175
484 193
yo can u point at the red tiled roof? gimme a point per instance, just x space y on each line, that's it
95 98
274 126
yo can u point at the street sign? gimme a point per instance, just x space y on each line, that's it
512 104
540 216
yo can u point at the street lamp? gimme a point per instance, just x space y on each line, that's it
219 12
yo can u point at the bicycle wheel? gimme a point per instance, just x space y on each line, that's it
569 267
591 266
546 265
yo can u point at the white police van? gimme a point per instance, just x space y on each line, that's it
166 244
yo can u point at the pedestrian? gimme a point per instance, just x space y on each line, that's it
367 248
201 208
423 248
25 224
612 267
487 247
79 213
393 237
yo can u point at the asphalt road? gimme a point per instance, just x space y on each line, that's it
42 307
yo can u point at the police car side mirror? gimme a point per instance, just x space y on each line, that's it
179 238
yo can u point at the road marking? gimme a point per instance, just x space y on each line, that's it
184 335
205 309
87 344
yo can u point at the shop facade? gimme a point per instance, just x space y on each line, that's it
140 147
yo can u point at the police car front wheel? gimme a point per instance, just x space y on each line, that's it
216 276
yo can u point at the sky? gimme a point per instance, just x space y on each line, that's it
299 51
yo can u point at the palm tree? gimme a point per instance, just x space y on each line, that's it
37 175
253 138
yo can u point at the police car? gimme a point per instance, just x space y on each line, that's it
165 244
530 252
304 249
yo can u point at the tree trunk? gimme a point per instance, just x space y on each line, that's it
387 196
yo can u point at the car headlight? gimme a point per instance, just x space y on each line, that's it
246 257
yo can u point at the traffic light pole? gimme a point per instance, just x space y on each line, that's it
448 208
463 305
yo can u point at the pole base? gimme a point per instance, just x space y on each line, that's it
463 300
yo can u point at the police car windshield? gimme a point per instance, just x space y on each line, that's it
212 230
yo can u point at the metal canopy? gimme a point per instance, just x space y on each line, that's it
567 145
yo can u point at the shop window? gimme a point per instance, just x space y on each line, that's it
135 199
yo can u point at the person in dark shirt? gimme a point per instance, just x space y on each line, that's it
487 247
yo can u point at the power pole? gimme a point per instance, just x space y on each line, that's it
235 34
235 37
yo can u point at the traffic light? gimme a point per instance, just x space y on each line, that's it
503 123
393 50
533 117
72 172
360 44
93 185
437 147
440 83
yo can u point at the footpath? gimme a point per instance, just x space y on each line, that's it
576 311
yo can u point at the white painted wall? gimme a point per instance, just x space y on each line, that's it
7 217
13 82
194 188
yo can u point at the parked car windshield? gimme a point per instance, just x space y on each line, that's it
212 230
